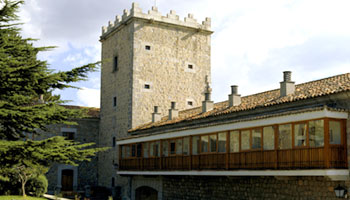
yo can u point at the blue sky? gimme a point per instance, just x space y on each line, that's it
254 41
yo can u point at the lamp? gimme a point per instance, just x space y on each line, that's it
340 191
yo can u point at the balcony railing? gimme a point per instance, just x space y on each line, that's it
300 158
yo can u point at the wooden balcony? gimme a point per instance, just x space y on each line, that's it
331 157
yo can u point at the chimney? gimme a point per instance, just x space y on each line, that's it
234 98
155 115
207 104
173 112
287 86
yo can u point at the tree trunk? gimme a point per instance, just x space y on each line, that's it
23 189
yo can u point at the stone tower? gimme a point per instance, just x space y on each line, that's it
148 60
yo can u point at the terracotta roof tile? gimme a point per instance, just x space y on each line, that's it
317 88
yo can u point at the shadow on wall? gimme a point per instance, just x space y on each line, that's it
146 193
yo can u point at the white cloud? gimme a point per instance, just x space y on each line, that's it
253 40
89 97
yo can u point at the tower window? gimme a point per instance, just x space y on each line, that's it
190 66
113 142
113 182
114 101
148 47
147 86
190 103
115 64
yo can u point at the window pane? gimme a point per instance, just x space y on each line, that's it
300 134
234 141
212 143
256 139
316 133
245 140
285 136
145 150
133 150
123 151
138 150
172 147
195 145
204 143
151 149
156 148
334 132
186 145
127 150
165 147
179 146
222 142
269 138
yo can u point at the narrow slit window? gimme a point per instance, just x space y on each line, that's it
114 101
115 64
113 142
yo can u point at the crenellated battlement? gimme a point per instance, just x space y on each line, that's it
154 15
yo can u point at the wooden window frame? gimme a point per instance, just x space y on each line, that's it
228 141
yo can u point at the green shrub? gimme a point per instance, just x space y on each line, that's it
37 186
10 187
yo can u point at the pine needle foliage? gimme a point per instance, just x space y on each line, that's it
26 100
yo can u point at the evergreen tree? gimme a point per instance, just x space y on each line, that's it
26 100
26 159
28 106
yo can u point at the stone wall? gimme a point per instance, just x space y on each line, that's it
165 68
86 131
174 44
115 120
302 188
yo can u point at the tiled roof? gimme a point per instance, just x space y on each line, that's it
308 90
264 116
91 111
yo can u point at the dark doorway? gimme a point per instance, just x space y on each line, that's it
146 193
67 180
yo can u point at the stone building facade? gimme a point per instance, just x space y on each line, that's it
155 90
74 178
148 60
